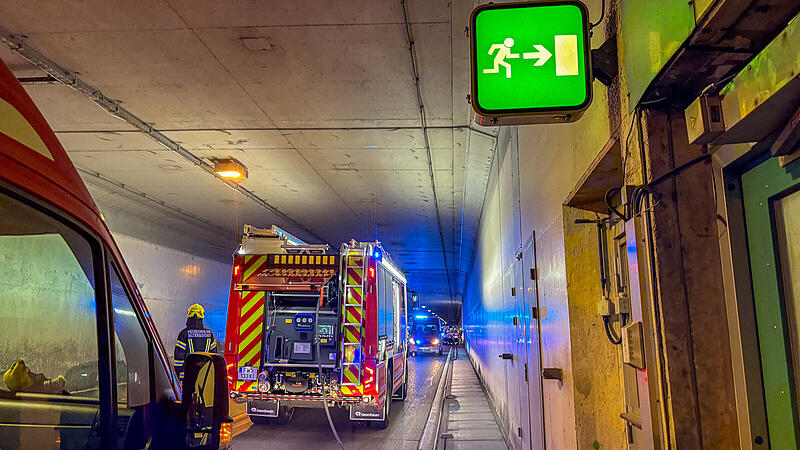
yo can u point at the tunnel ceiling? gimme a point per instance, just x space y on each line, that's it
316 98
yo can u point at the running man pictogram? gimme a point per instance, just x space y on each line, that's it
503 53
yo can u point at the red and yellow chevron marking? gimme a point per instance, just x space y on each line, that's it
354 295
352 314
253 264
352 334
355 276
250 328
245 386
351 374
352 390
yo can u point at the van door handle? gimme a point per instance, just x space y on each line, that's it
506 356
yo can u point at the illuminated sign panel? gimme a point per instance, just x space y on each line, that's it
531 60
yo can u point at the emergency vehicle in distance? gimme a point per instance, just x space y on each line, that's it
67 298
307 326
427 334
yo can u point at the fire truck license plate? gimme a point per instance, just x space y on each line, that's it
247 373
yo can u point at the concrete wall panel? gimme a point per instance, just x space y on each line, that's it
170 280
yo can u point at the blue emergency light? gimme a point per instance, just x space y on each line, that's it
377 254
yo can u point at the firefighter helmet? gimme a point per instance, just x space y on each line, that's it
196 311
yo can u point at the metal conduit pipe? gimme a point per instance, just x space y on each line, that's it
424 125
16 43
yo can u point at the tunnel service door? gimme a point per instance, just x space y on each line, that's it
771 195
533 346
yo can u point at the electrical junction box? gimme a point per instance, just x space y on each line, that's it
704 119
604 307
624 304
633 345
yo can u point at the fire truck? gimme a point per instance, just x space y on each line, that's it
311 328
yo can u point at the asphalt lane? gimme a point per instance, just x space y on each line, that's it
310 426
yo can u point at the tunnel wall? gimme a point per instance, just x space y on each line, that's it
174 262
534 170
170 280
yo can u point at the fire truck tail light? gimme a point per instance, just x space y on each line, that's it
372 272
236 270
370 378
225 432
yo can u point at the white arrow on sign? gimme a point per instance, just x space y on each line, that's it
542 55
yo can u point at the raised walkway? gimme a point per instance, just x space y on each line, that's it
467 419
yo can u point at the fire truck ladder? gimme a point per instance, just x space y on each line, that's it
354 264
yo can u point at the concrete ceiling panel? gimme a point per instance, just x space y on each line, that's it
108 141
135 58
144 170
432 43
357 139
460 11
357 159
229 139
41 16
278 13
167 77
19 65
67 110
193 107
340 73
440 137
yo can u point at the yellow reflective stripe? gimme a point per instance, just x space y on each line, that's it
18 128
191 346
181 344
208 342
259 295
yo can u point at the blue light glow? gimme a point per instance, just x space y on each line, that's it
421 316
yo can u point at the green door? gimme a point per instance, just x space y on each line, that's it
772 216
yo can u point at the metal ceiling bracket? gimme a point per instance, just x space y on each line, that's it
605 66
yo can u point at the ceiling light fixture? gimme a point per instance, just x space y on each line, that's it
230 168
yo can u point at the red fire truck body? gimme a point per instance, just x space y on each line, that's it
305 325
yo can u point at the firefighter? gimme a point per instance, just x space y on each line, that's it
194 338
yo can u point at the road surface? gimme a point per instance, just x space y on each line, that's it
309 429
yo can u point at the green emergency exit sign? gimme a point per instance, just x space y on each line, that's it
530 61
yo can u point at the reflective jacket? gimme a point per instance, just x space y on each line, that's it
194 338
